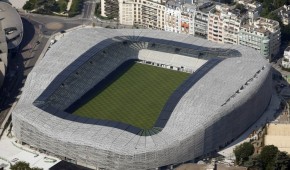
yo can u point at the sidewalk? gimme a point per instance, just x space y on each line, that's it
12 152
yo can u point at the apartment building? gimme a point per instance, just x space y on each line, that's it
241 24
127 12
110 9
186 18
179 17
201 19
286 58
251 5
173 16
236 24
261 34
144 13
215 24
284 14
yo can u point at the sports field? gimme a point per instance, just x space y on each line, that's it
136 97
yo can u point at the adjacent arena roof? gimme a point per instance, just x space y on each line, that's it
11 31
11 24
230 89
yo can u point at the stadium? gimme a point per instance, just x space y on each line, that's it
140 99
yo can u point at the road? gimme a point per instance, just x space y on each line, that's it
88 9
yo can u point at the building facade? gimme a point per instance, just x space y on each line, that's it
172 16
284 14
263 35
224 24
187 18
215 25
235 24
144 13
201 19
286 58
196 126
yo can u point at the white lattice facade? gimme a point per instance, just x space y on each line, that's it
231 87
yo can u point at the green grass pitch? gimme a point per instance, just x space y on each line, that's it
136 97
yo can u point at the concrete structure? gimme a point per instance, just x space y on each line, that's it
3 55
11 24
279 136
187 18
286 58
225 21
215 24
240 24
251 6
201 19
11 33
110 9
179 17
218 23
284 14
227 93
192 19
17 3
173 16
261 34
144 13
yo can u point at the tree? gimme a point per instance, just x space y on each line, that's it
279 3
28 6
274 16
241 7
22 166
243 151
257 165
75 8
268 155
282 161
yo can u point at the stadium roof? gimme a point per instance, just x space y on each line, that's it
11 24
223 87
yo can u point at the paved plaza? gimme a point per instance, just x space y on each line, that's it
12 152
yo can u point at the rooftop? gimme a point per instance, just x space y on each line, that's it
206 7
262 25
11 24
199 105
186 6
284 11
234 11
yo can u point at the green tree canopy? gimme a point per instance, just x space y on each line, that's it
282 161
22 166
267 156
241 7
243 151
